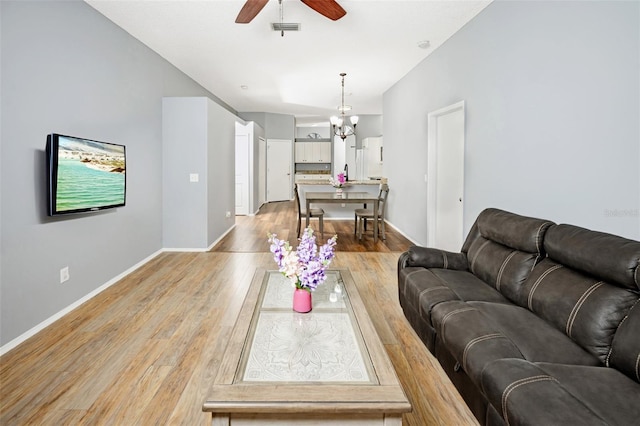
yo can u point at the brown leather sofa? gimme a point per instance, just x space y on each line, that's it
535 323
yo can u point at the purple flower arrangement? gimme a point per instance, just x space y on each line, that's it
306 265
338 181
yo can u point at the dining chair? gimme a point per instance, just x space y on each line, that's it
361 215
319 213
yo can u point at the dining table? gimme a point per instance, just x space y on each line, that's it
344 197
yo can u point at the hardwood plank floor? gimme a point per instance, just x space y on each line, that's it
145 350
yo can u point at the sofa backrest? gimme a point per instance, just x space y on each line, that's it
586 286
502 248
625 349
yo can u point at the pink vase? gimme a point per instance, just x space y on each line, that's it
301 300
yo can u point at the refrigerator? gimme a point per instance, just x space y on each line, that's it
372 155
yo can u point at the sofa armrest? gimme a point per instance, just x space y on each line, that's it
524 394
428 257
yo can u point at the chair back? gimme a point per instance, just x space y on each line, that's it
382 196
295 191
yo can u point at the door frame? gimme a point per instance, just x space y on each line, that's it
432 167
243 156
262 171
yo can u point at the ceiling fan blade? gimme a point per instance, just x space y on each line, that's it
249 11
329 8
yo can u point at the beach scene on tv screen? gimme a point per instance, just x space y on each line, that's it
90 174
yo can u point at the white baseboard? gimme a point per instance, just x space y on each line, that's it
196 249
401 233
24 336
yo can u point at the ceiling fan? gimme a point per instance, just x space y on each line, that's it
329 8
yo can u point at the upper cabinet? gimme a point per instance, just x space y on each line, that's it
313 152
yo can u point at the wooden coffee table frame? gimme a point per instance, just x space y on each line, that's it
231 402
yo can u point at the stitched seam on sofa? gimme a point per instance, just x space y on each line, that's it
533 265
513 386
502 268
578 305
537 283
445 261
635 276
638 367
427 290
606 362
477 253
473 342
538 236
449 315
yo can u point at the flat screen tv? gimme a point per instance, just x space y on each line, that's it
84 175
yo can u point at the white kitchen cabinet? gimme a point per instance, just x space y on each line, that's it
301 151
325 152
313 152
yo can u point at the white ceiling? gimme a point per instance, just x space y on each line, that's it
298 74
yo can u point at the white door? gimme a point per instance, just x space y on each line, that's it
445 178
242 174
279 166
262 171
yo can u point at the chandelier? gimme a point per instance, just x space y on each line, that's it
340 127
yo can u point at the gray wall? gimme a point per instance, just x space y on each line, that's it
198 138
368 126
552 116
221 172
276 126
67 69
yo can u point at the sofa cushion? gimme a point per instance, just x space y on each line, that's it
535 338
584 308
509 229
589 384
502 248
471 337
476 333
609 258
467 286
502 267
555 394
423 289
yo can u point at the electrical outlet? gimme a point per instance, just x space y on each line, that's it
228 215
64 274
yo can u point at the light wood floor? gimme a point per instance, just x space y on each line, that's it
144 351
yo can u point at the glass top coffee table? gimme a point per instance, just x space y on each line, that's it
327 366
